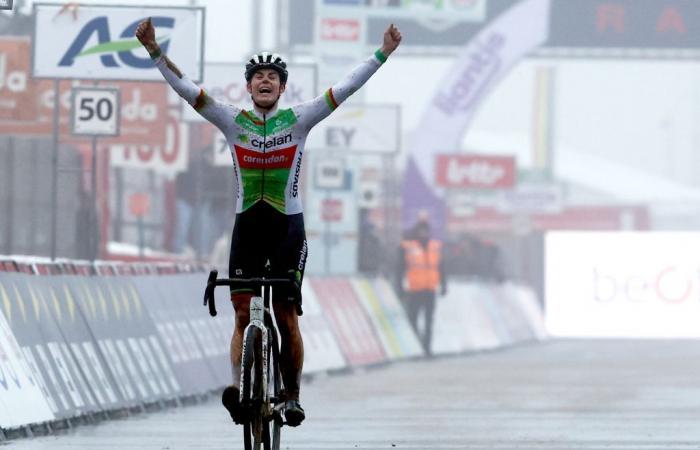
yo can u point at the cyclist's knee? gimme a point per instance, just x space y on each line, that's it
241 305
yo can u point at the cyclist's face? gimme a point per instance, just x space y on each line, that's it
265 87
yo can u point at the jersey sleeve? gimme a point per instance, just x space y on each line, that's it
217 113
313 111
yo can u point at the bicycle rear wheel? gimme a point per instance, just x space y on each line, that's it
252 389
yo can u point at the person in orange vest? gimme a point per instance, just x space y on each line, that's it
420 276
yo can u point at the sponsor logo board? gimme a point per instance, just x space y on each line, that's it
98 42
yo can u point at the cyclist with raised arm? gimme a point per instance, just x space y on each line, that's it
267 145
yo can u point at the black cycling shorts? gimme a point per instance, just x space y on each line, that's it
262 237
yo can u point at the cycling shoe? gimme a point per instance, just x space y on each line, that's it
293 413
231 401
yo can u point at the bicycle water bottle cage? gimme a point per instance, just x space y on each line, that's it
257 309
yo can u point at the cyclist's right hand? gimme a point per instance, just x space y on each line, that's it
146 34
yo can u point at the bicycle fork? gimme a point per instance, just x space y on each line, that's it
257 320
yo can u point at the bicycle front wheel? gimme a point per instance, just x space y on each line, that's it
275 386
252 390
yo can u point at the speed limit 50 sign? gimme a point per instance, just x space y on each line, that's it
95 111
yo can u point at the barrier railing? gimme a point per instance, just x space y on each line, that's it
86 340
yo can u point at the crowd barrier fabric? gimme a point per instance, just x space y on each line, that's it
192 370
23 399
32 311
511 306
187 292
81 339
72 314
348 320
462 321
388 317
321 351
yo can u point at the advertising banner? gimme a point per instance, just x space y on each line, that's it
226 83
472 10
595 28
118 334
435 26
389 318
22 395
353 330
189 361
359 128
622 284
31 306
72 321
475 171
18 92
483 62
321 351
185 291
27 104
463 322
167 156
339 44
98 42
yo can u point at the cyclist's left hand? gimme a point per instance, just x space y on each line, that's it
392 39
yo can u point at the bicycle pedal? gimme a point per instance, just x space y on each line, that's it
278 413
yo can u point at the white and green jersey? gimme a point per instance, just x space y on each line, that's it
267 149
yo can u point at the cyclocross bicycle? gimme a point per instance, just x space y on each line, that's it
261 393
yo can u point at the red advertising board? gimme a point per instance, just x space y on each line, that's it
348 320
599 218
475 171
19 93
26 105
345 30
331 210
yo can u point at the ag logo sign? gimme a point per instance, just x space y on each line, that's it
98 42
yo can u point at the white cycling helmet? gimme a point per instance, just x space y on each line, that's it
266 60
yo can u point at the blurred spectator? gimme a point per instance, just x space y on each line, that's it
480 259
370 253
419 276
194 217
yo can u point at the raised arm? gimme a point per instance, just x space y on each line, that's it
215 112
319 108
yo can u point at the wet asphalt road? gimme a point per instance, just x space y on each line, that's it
630 394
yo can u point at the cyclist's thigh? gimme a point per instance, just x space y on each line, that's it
291 254
248 255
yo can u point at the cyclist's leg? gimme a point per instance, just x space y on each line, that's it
292 352
241 306
291 257
242 263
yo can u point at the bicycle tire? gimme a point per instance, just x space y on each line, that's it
251 388
275 385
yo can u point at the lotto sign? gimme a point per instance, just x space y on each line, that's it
95 112
226 83
475 171
98 42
